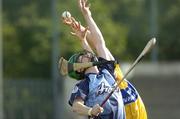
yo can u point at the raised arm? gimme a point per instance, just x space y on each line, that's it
95 33
85 45
82 36
74 24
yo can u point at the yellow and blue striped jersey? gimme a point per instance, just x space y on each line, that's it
134 106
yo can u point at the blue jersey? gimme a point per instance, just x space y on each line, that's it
94 89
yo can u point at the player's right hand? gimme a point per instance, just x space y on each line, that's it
96 110
84 7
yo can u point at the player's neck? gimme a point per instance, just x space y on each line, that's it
92 70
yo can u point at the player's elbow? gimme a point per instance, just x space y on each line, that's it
75 107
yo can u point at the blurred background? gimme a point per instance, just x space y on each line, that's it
33 38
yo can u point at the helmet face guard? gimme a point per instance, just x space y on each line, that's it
74 59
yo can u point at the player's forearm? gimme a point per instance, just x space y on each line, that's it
97 40
95 33
80 108
86 46
89 36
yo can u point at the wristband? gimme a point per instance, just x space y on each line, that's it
89 112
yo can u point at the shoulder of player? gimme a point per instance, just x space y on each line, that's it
84 82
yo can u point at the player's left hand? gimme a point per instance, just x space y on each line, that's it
96 110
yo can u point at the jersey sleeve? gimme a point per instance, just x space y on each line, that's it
80 90
110 67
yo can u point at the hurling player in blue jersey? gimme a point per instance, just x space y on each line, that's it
134 106
97 82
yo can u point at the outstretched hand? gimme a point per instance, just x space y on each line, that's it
70 22
77 29
84 7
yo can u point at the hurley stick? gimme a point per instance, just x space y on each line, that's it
147 48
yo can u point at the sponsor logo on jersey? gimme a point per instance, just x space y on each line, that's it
103 88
